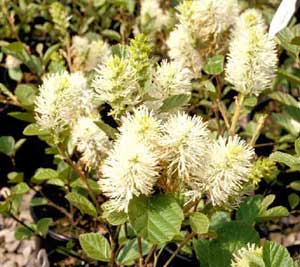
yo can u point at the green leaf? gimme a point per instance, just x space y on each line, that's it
38 201
294 200
110 131
15 74
201 248
272 213
157 219
218 219
20 189
297 147
287 75
287 121
19 143
129 253
284 98
249 209
275 255
34 129
15 177
44 174
199 223
111 34
95 246
82 203
26 94
115 218
5 91
285 158
23 116
23 233
174 102
43 226
231 237
7 145
214 65
295 185
286 37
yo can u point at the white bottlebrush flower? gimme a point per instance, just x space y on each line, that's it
207 20
252 58
169 79
116 83
131 169
184 145
227 168
181 50
153 16
99 52
88 54
91 141
248 256
141 126
63 98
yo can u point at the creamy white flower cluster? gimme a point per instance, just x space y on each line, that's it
177 151
152 17
88 54
252 58
65 104
202 31
118 82
251 255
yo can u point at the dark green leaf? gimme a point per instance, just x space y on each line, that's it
199 223
43 226
7 145
157 219
174 102
23 116
275 255
82 203
34 129
20 189
129 253
15 177
95 246
214 65
23 233
294 200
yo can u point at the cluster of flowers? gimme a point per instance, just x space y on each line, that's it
210 27
176 155
174 152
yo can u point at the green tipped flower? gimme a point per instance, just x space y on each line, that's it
60 18
139 57
264 168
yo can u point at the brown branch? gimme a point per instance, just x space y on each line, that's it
238 108
187 239
140 249
82 176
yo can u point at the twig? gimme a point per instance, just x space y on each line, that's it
224 115
238 107
78 169
113 248
260 125
187 239
52 204
152 251
140 249
22 223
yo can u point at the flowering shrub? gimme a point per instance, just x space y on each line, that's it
151 113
